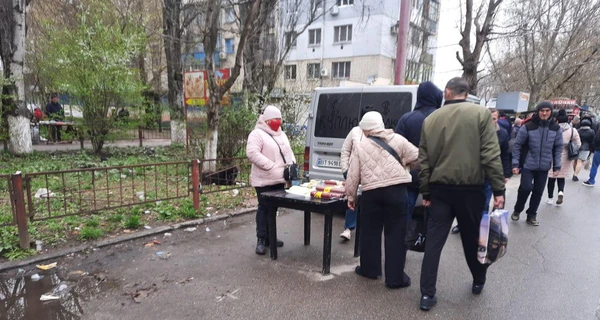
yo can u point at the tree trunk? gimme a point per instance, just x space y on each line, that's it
470 73
178 131
19 134
97 143
210 150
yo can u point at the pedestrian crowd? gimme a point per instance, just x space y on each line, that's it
458 157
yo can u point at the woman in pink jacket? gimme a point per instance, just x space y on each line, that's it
379 163
266 148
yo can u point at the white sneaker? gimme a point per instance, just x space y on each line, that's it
561 196
347 234
550 201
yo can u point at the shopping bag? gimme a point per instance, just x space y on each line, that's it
416 235
493 236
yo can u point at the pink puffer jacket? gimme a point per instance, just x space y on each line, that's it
374 167
262 151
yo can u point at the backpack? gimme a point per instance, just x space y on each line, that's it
37 113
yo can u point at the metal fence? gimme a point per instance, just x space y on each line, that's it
50 195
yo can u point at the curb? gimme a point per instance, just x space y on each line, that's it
122 238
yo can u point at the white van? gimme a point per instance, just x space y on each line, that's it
335 111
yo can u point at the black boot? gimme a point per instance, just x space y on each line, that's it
279 243
260 246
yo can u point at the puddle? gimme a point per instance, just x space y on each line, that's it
20 295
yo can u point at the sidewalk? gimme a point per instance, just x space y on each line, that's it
88 145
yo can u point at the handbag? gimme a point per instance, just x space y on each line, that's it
387 148
416 235
572 148
291 171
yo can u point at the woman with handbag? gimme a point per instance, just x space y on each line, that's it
379 163
586 133
269 150
571 141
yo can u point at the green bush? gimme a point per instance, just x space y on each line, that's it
132 222
235 126
92 223
88 233
116 218
187 210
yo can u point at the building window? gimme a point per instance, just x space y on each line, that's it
412 70
342 33
290 39
434 10
290 72
314 37
415 36
427 73
229 46
316 5
314 71
341 70
417 4
345 3
229 15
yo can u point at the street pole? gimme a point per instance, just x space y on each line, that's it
401 48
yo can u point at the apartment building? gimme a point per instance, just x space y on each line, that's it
353 42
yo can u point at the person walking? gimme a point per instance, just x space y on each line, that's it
429 99
55 112
269 150
595 161
503 140
568 134
353 139
587 144
541 141
459 149
379 163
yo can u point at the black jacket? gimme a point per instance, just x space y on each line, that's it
429 99
54 111
504 139
596 144
587 138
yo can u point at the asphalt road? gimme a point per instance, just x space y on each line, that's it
550 272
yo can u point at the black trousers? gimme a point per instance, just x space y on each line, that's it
55 133
532 182
552 182
447 203
262 213
384 209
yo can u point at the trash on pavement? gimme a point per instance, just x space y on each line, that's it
235 192
167 235
141 195
44 193
163 255
192 229
38 245
148 245
186 280
155 241
147 227
207 229
36 277
208 214
49 297
46 266
147 212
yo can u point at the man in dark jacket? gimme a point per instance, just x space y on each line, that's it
55 112
543 141
459 149
595 161
429 99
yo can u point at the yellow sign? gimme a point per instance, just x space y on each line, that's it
195 102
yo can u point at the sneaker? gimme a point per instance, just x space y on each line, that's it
550 201
560 199
346 235
533 222
575 178
588 184
515 216
427 302
455 229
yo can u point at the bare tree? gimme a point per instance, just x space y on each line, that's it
471 53
13 32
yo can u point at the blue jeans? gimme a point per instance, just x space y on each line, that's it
594 168
487 189
413 194
350 222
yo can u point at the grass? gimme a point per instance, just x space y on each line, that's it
132 222
89 233
116 218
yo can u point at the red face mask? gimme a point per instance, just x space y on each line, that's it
274 124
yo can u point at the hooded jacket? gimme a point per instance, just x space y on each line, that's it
429 99
263 151
586 134
543 142
373 167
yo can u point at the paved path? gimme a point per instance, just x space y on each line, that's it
550 272
87 144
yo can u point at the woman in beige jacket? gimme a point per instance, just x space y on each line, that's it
384 176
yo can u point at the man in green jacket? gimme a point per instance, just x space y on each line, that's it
459 148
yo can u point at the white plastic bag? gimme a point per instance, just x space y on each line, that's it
493 236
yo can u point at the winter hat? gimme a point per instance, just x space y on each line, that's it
586 122
366 109
543 105
562 116
271 112
372 120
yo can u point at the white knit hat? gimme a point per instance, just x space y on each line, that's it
271 112
372 120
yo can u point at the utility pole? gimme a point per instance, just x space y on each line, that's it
401 48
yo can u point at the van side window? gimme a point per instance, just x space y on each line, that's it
391 105
337 114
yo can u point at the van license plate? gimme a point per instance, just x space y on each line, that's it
328 163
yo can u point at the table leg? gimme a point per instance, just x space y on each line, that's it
307 228
357 233
273 234
327 243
